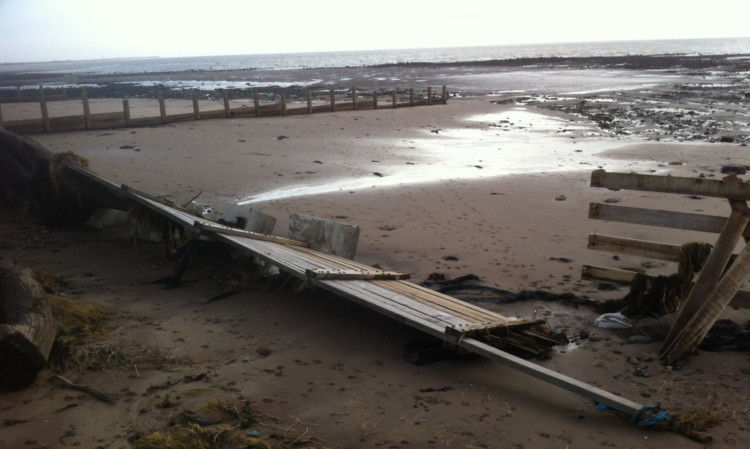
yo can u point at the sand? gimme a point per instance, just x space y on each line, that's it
422 183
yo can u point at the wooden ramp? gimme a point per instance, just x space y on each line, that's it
458 324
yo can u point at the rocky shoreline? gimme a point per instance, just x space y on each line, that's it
295 83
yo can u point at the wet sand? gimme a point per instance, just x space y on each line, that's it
502 185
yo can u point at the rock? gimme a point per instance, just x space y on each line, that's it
641 371
734 168
638 339
633 360
652 328
451 257
612 200
561 198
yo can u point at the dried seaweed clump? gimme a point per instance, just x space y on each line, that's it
57 164
214 425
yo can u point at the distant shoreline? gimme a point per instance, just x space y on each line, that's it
295 82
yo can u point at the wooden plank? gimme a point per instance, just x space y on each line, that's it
607 274
162 110
547 375
375 99
126 112
354 98
86 108
256 102
202 225
43 107
355 274
634 247
196 110
333 100
441 301
653 217
712 270
225 97
730 187
741 298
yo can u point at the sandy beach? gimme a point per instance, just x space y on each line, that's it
491 185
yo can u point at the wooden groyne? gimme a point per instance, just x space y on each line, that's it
353 99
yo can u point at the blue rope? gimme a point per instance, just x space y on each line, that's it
652 420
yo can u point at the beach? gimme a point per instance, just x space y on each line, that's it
496 185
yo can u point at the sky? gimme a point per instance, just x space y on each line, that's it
47 30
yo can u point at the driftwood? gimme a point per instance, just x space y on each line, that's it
27 328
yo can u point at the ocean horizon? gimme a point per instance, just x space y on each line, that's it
368 58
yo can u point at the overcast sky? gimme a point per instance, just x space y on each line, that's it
43 30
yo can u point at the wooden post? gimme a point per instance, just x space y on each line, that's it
256 102
64 94
354 98
283 104
429 95
687 341
309 102
126 111
227 112
711 272
43 107
86 108
411 97
18 94
445 94
1 115
196 111
395 99
162 110
374 99
333 100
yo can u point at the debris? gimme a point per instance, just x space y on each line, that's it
613 321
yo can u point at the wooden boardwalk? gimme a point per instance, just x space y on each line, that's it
457 323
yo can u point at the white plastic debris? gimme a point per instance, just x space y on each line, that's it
613 321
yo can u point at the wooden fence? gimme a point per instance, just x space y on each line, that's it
354 101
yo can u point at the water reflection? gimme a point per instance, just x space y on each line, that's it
512 142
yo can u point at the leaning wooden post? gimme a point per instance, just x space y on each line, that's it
333 100
225 96
283 104
43 107
309 102
687 341
711 272
162 110
126 111
411 97
445 94
395 99
374 99
354 98
86 108
196 111
256 102
429 95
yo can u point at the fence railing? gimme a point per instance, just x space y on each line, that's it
353 100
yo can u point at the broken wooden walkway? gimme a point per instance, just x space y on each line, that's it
458 324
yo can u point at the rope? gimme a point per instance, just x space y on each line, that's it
653 416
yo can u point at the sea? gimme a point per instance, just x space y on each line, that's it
293 61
